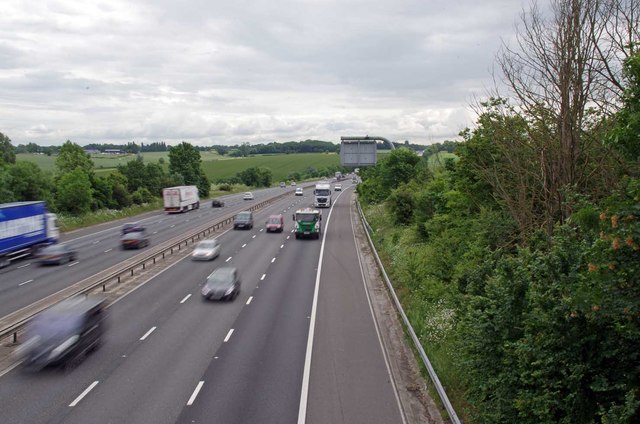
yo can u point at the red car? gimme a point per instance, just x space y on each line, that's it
275 223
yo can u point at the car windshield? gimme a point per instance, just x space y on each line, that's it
132 236
220 278
49 324
208 244
274 220
243 216
323 192
247 194
306 217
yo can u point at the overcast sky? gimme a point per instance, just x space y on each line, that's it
226 72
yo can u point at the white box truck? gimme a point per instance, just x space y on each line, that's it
180 199
322 195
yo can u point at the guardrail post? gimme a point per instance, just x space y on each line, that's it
143 265
132 272
104 287
118 279
15 337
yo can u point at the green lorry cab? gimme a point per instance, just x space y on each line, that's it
307 223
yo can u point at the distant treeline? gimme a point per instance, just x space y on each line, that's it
238 150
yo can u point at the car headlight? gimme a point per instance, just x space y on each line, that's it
229 291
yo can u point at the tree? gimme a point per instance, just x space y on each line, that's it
184 159
6 195
74 192
626 133
555 73
28 182
256 177
136 174
72 156
7 151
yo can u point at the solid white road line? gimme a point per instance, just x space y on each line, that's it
108 250
83 394
195 393
24 266
73 263
229 258
273 260
262 278
244 245
26 282
151 330
226 339
185 298
304 393
249 300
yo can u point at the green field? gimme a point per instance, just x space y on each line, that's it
215 166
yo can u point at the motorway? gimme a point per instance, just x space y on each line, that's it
298 345
25 282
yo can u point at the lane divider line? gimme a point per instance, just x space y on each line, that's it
26 282
74 263
83 394
148 333
229 258
273 260
195 393
24 266
249 300
244 245
226 339
281 246
185 298
262 278
108 250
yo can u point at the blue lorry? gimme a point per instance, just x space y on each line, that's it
24 228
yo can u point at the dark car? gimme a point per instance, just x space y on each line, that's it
222 284
56 254
243 219
63 334
132 227
217 203
134 240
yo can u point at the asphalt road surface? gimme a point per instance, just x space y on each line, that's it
171 357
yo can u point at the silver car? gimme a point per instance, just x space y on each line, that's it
206 250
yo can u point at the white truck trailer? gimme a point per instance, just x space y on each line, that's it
180 199
322 195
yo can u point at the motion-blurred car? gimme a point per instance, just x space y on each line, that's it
243 219
275 223
132 227
222 284
283 185
206 250
293 183
299 191
134 240
247 196
337 187
56 254
63 334
217 203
